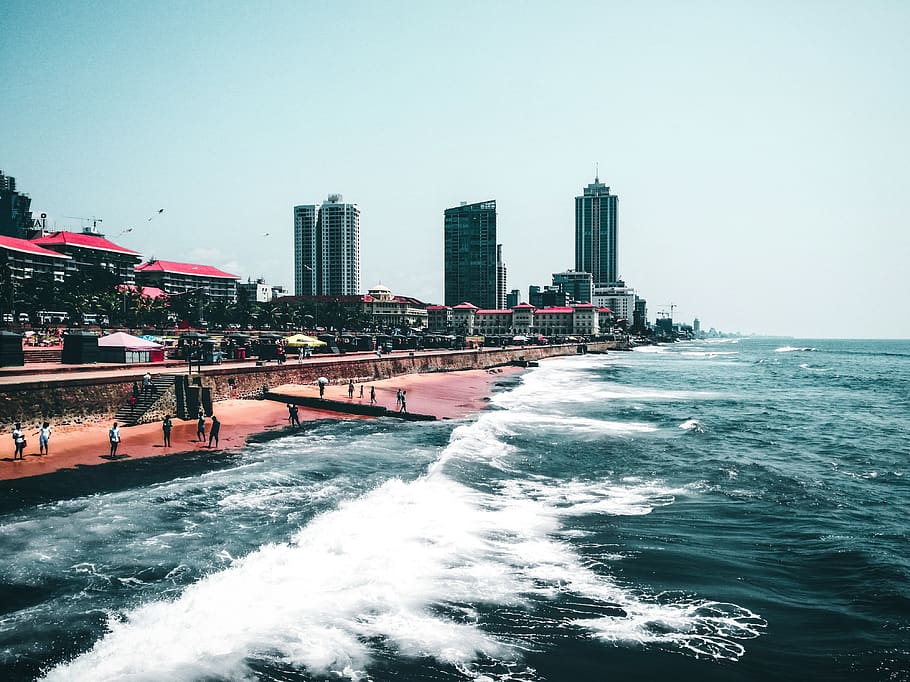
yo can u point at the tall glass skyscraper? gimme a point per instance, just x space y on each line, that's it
596 248
327 248
474 271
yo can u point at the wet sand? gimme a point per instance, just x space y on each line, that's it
446 395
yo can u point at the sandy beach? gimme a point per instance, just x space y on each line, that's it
446 395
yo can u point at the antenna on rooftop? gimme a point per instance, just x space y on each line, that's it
596 172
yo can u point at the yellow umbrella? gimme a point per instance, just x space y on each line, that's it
302 341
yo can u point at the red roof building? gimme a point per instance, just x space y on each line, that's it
25 259
177 278
88 250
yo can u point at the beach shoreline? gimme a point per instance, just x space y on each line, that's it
445 395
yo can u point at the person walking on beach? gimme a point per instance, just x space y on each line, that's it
166 427
321 390
361 391
213 432
19 442
350 389
44 437
200 427
398 397
295 416
114 436
404 402
372 395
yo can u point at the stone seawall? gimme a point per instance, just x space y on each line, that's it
74 399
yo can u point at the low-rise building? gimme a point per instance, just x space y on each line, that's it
90 249
439 318
22 259
178 278
388 310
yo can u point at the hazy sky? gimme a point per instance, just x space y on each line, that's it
761 151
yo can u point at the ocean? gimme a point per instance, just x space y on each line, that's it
715 510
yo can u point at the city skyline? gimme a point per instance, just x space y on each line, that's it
759 160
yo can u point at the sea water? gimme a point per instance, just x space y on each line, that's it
730 510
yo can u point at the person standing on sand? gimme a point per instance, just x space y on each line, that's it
361 391
295 416
44 437
350 389
372 395
19 442
200 427
404 403
166 427
321 390
213 432
114 436
398 399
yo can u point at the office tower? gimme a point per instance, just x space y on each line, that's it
596 248
513 298
327 248
578 285
473 262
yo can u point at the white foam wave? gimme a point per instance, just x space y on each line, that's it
792 349
692 425
704 628
708 353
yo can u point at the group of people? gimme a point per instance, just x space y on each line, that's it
214 430
20 441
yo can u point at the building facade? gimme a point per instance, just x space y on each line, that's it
596 222
327 248
578 286
22 259
179 278
472 260
90 249
15 209
618 297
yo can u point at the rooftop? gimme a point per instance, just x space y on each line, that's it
82 240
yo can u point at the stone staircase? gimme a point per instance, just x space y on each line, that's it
42 354
129 415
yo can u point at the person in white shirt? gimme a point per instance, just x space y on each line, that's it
44 436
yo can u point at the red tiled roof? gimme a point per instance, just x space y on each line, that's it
185 269
147 292
437 307
409 300
555 309
604 310
525 305
465 306
28 246
494 312
82 240
583 305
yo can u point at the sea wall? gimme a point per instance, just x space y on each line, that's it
71 398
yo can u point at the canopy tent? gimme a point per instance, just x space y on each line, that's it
124 348
303 341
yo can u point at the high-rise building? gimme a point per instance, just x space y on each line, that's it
578 285
474 271
15 216
327 248
596 249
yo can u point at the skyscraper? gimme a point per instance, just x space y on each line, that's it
474 270
596 249
327 248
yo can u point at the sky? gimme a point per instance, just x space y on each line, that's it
759 149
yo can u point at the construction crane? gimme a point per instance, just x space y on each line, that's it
85 228
663 309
